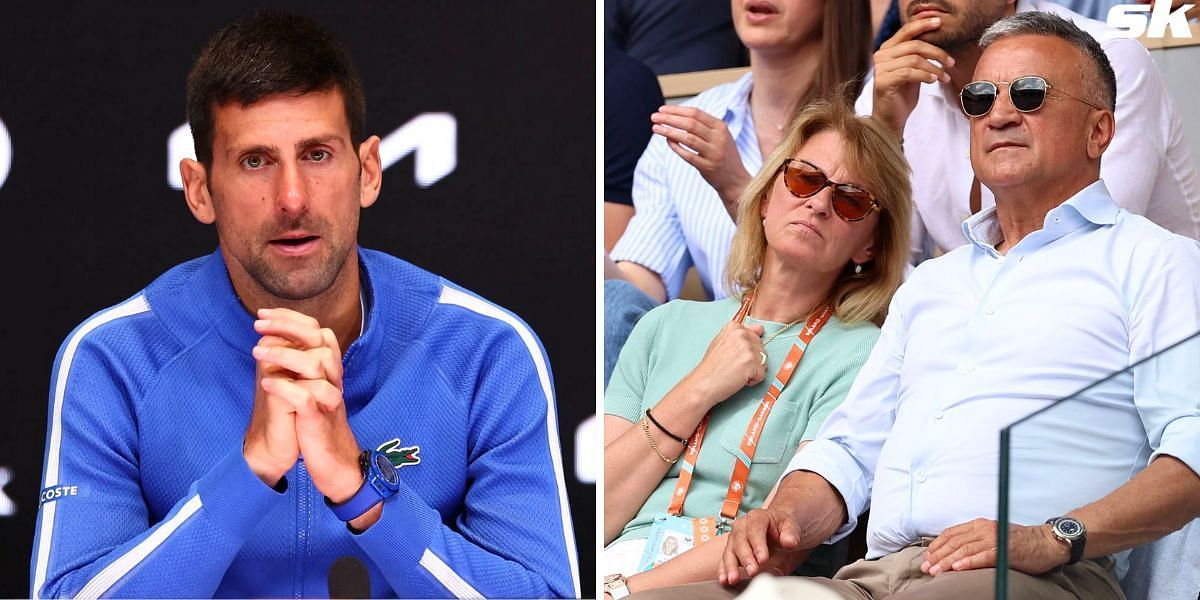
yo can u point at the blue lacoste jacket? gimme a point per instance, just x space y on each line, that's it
146 494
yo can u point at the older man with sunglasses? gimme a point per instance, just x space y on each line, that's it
1058 288
1149 167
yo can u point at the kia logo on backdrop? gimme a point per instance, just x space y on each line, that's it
5 153
432 139
587 463
8 508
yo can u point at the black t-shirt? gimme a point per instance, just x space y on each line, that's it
674 36
631 95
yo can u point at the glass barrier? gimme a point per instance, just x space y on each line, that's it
1079 449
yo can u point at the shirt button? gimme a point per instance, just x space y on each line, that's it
920 477
989 311
970 367
938 414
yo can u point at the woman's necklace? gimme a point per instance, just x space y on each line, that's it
757 116
782 329
785 328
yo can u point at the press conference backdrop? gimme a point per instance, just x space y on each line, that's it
486 111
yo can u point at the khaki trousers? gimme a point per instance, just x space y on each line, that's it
898 577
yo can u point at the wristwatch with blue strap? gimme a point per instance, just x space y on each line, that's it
380 481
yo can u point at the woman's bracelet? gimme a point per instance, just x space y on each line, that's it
650 438
660 427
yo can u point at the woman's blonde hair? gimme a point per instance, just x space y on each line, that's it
872 154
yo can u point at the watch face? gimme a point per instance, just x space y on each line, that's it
1069 527
385 468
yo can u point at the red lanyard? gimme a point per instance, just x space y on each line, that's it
741 465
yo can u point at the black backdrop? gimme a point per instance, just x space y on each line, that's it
90 96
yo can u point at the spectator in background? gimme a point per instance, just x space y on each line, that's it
808 252
674 36
687 182
913 90
631 95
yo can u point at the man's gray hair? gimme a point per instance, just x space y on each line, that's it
1099 86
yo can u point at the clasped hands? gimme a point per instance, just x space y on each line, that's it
763 539
299 409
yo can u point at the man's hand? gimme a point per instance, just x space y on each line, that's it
270 445
972 545
802 512
704 142
763 540
309 380
901 66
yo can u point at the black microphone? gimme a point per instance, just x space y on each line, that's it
348 578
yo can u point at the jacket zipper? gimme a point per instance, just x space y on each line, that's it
303 501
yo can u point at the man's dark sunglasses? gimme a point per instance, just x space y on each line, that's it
804 179
1027 94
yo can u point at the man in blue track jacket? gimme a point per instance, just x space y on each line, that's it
293 415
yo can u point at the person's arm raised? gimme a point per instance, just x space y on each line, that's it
902 64
704 142
632 466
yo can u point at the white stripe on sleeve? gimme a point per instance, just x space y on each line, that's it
132 307
447 577
475 304
104 580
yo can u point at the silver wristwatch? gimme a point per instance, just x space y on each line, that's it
614 585
1070 532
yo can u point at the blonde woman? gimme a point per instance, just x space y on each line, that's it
689 179
820 247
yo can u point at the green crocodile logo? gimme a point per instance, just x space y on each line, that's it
400 457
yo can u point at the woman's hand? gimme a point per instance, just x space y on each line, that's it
632 467
704 142
734 360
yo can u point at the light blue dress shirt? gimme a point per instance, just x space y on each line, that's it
976 340
680 219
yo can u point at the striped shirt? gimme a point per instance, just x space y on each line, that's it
680 219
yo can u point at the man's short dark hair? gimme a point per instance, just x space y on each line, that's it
265 54
1101 87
